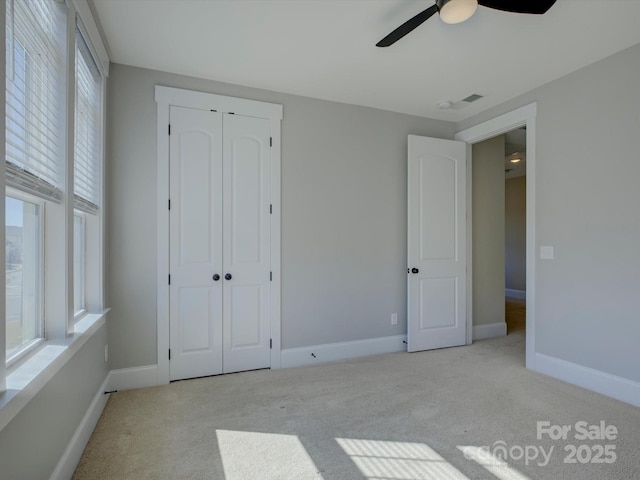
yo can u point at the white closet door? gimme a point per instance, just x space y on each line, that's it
195 253
246 240
437 244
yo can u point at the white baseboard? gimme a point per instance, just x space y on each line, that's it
511 293
610 385
296 357
491 330
136 377
71 456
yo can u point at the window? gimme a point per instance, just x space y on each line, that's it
35 95
23 278
78 263
87 129
86 173
53 142
34 161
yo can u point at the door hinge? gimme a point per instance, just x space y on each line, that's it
271 276
169 354
169 279
271 343
169 204
271 209
271 141
169 129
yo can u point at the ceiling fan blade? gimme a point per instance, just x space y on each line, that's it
407 27
521 6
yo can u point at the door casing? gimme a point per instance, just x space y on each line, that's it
523 116
166 97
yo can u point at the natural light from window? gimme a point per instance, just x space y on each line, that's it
22 223
78 263
491 463
379 460
266 456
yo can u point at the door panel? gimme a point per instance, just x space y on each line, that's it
245 305
194 303
195 239
194 180
437 302
436 243
437 207
246 243
246 164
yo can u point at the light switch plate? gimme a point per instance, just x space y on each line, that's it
546 253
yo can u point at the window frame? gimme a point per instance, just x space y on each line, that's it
59 324
33 344
81 312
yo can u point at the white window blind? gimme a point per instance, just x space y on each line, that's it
87 128
35 97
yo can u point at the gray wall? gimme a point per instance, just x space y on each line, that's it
488 231
587 197
344 214
515 226
33 442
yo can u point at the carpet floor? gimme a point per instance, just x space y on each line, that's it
397 416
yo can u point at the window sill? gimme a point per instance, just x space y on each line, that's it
27 379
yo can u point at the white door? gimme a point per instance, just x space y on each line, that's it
195 239
436 244
246 244
219 258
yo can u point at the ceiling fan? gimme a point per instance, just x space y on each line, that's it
457 11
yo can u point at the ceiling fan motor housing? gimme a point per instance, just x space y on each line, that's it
456 11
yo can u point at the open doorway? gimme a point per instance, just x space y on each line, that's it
499 235
515 230
521 117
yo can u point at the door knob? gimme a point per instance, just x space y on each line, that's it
228 276
415 270
216 277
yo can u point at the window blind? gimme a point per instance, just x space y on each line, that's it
35 97
87 129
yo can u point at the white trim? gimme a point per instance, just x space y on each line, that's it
524 116
276 299
519 294
136 377
490 330
601 382
3 276
26 380
71 456
220 103
331 352
96 44
165 97
162 288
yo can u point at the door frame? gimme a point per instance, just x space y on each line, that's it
166 97
523 116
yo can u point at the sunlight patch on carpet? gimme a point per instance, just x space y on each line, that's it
264 455
398 460
499 468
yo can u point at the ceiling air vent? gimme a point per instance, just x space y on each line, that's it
460 104
472 98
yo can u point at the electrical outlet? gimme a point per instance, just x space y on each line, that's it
394 319
546 253
106 353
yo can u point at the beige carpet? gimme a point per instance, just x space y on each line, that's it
398 416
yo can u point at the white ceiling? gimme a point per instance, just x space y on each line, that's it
326 48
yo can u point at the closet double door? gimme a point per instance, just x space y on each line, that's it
219 254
